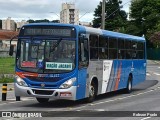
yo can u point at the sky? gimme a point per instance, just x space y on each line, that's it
48 9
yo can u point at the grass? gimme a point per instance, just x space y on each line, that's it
6 80
7 65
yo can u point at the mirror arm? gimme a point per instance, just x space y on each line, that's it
11 46
13 38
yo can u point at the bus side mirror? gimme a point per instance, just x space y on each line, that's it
82 39
11 50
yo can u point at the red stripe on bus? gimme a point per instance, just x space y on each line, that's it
118 77
25 74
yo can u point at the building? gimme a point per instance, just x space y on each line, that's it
69 14
5 36
8 24
20 24
88 24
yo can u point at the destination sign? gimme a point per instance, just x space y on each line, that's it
58 66
48 31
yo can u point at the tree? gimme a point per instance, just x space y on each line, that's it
115 17
145 15
37 21
155 39
133 28
30 21
55 21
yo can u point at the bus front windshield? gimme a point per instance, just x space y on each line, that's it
46 56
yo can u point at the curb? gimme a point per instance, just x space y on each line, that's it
158 62
10 89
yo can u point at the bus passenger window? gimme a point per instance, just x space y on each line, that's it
112 54
93 39
128 54
93 53
140 55
134 55
120 54
103 53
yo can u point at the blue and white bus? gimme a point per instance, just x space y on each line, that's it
73 62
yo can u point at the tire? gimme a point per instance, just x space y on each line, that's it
92 92
42 100
129 85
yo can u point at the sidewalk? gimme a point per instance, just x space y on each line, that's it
10 91
153 62
158 62
10 86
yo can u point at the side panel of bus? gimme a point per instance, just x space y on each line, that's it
115 76
122 70
112 73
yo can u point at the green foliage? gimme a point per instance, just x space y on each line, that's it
115 17
155 39
30 21
133 28
40 21
158 26
145 15
6 80
37 21
7 65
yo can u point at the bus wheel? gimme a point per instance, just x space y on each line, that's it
42 100
129 85
92 92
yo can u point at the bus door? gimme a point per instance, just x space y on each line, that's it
82 67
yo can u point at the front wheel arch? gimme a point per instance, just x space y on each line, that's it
93 90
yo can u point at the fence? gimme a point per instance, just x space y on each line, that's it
5 52
153 54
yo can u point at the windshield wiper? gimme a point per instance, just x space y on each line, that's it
56 45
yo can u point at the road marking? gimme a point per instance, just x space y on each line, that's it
10 102
122 98
156 62
146 118
159 67
156 73
92 104
148 74
112 100
100 110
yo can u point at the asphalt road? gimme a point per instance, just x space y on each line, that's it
145 97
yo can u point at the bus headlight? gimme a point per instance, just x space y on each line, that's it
20 81
68 83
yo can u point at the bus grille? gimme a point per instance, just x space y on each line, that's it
39 86
44 79
42 92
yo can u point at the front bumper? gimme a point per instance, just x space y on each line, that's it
68 94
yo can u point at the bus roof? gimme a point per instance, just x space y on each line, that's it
93 30
113 34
